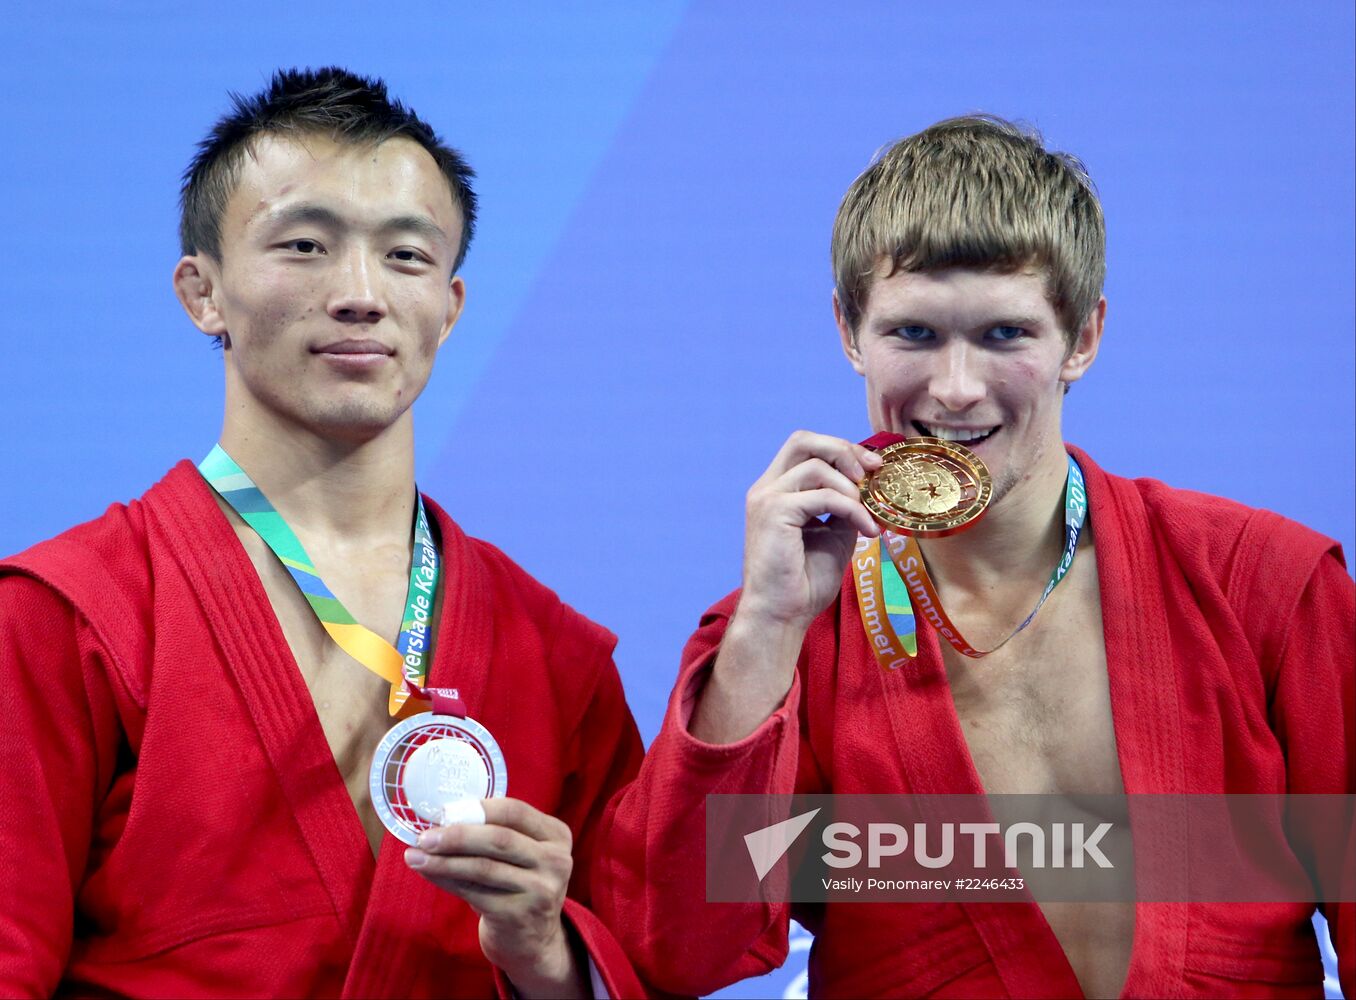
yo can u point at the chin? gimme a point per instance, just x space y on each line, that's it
354 424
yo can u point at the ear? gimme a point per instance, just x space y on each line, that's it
848 337
456 301
1085 345
195 281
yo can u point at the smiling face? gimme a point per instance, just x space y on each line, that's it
972 356
334 288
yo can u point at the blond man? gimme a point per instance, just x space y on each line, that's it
1191 645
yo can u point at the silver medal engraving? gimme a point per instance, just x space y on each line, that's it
442 771
428 761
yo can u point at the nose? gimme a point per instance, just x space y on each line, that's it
957 381
357 295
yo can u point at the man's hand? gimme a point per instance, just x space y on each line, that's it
513 869
793 567
793 562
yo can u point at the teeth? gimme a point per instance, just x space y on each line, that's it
951 434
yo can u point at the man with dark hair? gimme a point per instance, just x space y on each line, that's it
197 787
1192 646
331 102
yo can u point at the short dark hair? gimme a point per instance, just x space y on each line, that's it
328 101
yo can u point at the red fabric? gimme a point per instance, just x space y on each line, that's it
174 823
1229 642
882 440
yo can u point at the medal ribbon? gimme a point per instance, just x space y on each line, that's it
889 573
405 665
892 636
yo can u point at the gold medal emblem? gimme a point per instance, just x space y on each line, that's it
927 487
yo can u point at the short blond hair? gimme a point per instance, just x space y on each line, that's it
974 191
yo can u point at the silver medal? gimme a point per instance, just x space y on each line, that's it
427 762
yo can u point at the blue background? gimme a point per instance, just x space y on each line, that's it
648 312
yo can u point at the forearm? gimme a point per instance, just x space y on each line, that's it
749 680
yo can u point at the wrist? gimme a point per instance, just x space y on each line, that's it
553 970
778 637
753 672
757 659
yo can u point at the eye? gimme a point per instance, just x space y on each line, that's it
1006 333
409 255
308 248
914 334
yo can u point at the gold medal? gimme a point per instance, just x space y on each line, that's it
927 487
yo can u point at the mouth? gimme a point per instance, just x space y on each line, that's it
362 348
969 436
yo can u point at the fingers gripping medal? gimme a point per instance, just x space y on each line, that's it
927 487
431 760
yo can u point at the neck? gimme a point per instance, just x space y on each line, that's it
1019 540
346 491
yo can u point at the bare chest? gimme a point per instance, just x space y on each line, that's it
1036 716
350 701
1036 713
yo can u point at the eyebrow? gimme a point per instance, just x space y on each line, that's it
896 322
421 225
1023 321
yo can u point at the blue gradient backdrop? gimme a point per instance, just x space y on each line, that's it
648 311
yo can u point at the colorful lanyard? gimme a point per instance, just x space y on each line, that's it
892 584
408 660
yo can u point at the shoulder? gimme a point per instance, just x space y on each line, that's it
113 547
102 569
110 549
1203 532
1255 561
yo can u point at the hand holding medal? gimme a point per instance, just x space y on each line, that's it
512 864
884 493
793 553
802 517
